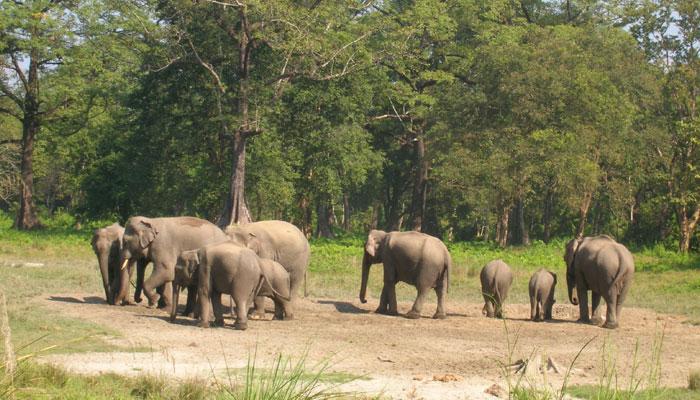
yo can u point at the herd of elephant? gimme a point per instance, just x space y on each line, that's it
269 259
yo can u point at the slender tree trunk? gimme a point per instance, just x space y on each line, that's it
346 212
393 218
26 214
305 208
524 233
374 223
687 226
420 184
547 216
583 213
502 226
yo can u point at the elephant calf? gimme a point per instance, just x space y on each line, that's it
496 278
229 268
541 288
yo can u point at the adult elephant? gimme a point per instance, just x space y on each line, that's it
603 266
278 241
415 258
106 243
160 241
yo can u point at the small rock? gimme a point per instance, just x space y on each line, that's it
193 344
418 377
384 359
448 378
496 390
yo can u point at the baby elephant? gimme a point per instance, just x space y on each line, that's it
496 278
542 285
231 269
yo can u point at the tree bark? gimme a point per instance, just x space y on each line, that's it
374 223
235 210
346 212
502 226
26 214
583 213
687 226
524 233
305 208
547 216
323 220
420 184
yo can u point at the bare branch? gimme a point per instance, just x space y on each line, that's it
7 92
11 112
234 3
340 50
10 141
19 71
208 67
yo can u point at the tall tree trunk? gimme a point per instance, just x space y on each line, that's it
305 207
524 233
687 226
547 216
393 217
346 212
583 213
26 214
374 223
420 184
236 211
323 220
502 226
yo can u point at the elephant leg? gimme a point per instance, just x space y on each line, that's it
288 309
161 299
596 308
548 310
392 307
383 302
489 306
157 278
140 272
241 312
418 304
621 299
176 297
441 292
259 310
218 308
611 316
191 300
533 308
582 304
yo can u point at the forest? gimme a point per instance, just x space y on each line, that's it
501 121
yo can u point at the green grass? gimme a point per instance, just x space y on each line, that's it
595 393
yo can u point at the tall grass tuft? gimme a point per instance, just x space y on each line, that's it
694 380
285 380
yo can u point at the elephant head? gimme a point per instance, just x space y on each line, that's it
244 238
186 268
138 236
106 243
372 255
569 256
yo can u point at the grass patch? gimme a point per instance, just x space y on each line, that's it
593 392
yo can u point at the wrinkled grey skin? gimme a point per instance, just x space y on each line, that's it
496 278
185 277
415 258
604 267
278 241
541 287
160 241
228 268
106 243
276 286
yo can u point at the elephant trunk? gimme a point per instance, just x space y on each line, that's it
573 294
103 260
124 279
366 263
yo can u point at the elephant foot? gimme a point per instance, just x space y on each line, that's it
241 326
219 322
583 321
138 299
128 303
412 315
441 315
257 315
204 324
597 321
190 314
610 325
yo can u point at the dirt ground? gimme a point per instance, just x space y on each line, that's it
458 358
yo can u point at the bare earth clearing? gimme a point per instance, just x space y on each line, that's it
400 358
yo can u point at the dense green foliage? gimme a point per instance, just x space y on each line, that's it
496 121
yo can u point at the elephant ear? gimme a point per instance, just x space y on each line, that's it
193 264
554 275
571 249
371 245
147 234
254 243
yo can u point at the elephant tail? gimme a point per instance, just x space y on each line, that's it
263 280
446 271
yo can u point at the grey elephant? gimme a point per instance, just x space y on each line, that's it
160 241
496 278
229 268
541 288
106 243
603 266
415 258
279 241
